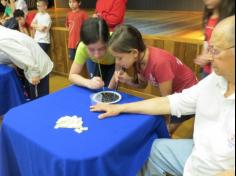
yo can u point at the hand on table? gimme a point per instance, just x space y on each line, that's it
110 110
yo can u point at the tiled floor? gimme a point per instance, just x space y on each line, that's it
58 82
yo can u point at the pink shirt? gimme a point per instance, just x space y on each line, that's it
212 22
162 67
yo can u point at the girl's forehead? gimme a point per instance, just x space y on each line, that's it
97 44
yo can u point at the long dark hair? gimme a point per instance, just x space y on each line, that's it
94 30
226 8
124 39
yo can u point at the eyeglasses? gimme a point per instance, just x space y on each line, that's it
214 52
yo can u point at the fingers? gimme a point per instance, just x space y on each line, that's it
203 59
96 108
97 83
101 107
104 115
35 81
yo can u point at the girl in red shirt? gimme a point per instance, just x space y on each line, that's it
215 11
112 11
74 21
150 64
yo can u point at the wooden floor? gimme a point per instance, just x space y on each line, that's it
155 23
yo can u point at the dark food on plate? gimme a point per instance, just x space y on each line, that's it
107 97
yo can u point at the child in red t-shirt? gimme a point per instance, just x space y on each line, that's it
215 11
150 64
74 21
24 21
112 11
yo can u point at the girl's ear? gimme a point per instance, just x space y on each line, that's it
135 53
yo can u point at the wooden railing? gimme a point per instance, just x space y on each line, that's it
185 49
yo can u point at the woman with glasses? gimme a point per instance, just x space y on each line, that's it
93 52
211 152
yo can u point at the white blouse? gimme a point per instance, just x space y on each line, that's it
214 127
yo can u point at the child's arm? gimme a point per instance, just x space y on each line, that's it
12 5
166 88
41 27
38 27
76 78
28 63
23 29
123 77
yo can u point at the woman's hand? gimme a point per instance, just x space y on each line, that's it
202 60
35 80
227 173
96 83
110 110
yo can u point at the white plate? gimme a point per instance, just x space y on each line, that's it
97 97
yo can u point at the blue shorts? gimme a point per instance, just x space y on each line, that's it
72 52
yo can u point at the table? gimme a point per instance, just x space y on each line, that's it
11 93
118 146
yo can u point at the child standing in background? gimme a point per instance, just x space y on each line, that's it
112 11
214 12
24 21
42 24
7 13
19 4
74 21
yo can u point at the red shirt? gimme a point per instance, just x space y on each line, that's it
212 22
74 21
162 67
112 11
28 19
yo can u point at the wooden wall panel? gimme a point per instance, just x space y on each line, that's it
182 5
61 4
59 51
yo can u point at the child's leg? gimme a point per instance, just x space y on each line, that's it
45 47
39 90
92 68
168 157
175 122
43 86
72 52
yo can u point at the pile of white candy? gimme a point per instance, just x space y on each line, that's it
71 122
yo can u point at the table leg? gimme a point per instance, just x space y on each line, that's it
1 119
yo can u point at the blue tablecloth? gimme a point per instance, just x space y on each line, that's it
11 93
118 146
